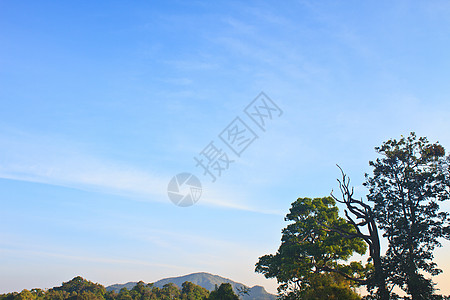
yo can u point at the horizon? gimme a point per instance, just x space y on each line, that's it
146 282
104 104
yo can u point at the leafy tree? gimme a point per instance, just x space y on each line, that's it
169 291
56 295
124 294
224 292
142 291
310 251
86 295
38 293
190 291
77 286
330 286
25 295
408 183
111 295
9 296
243 291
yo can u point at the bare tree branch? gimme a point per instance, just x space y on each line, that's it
363 217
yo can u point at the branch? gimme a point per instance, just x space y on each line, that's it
358 280
346 234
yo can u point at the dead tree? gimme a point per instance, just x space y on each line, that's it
361 216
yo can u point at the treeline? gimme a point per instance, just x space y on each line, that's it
81 289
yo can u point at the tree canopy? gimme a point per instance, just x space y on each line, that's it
311 254
82 289
408 183
224 292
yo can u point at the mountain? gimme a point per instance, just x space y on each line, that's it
206 280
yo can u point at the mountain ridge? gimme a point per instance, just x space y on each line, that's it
207 281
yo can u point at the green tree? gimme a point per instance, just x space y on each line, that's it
124 294
142 291
330 286
242 291
9 296
25 295
111 295
38 293
169 292
310 251
224 292
53 294
192 291
408 183
77 286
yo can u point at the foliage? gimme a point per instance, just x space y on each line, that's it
330 286
193 292
224 292
408 183
81 289
243 291
310 253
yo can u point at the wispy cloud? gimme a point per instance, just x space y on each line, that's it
60 162
89 258
57 161
231 198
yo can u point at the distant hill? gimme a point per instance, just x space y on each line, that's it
206 280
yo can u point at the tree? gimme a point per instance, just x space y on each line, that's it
243 291
310 252
38 293
143 291
361 216
330 286
111 295
224 292
124 294
78 286
191 291
169 291
53 294
408 183
25 295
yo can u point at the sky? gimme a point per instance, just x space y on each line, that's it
104 102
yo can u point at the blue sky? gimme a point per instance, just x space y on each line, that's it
103 102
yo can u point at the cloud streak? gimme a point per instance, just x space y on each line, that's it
60 162
56 161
